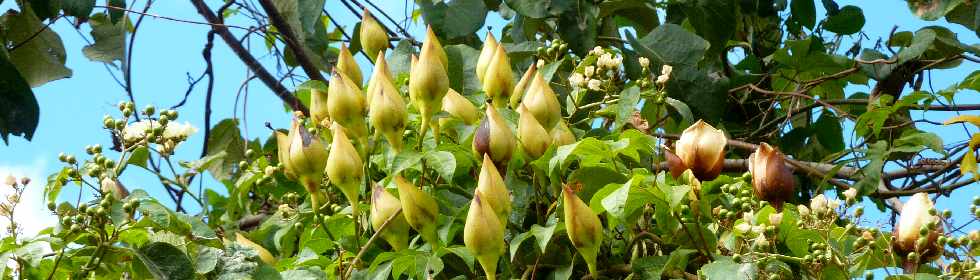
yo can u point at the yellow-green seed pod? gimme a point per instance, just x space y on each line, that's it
534 138
420 209
495 193
346 105
498 81
486 54
264 254
521 88
344 166
428 83
583 227
383 206
562 135
380 77
541 100
282 145
373 37
494 137
388 115
484 235
347 65
460 107
318 107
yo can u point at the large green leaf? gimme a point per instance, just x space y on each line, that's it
454 19
849 20
225 138
77 8
933 9
39 54
729 270
45 9
579 27
165 262
462 68
672 45
110 40
18 107
804 12
714 20
540 8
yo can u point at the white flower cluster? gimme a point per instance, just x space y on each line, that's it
609 62
607 67
664 74
172 133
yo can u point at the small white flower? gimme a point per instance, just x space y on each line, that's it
589 70
576 79
833 204
605 61
137 131
818 203
803 210
594 84
662 79
597 51
176 130
644 62
850 193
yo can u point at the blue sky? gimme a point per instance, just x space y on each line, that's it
166 52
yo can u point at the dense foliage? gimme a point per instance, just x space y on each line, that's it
595 139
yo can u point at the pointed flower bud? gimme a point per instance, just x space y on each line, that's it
420 209
114 187
495 193
460 107
562 135
771 179
433 41
388 115
521 88
541 100
486 54
383 206
428 82
307 159
484 235
380 78
498 80
373 36
915 217
583 227
318 106
282 146
534 138
264 254
346 105
344 166
701 148
494 137
347 65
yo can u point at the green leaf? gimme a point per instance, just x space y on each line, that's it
306 273
206 259
139 157
829 132
110 40
916 140
917 276
628 99
45 9
804 12
463 253
156 212
462 68
967 15
225 138
165 261
923 39
539 8
443 162
681 108
543 234
579 26
405 160
714 20
39 55
18 107
934 9
729 270
671 44
849 20
77 8
400 58
116 14
205 162
798 241
454 19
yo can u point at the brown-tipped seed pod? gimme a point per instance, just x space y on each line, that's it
534 138
583 227
318 107
344 166
498 80
431 39
420 209
521 88
346 105
347 65
380 78
428 82
562 135
486 54
460 107
484 235
541 100
914 219
114 187
388 115
701 149
373 37
282 145
383 206
771 179
264 254
307 156
494 137
495 193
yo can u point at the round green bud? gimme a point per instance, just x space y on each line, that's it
76 227
149 110
868 275
52 206
249 153
127 112
737 258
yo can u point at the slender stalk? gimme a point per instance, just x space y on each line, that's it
374 236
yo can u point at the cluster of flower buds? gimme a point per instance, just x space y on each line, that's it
483 234
345 167
701 148
374 38
583 227
383 207
347 106
917 231
429 81
420 209
162 131
604 69
386 107
494 71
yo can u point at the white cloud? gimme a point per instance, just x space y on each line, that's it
32 213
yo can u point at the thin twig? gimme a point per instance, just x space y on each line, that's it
374 236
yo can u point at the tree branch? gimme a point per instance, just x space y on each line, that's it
277 88
292 41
